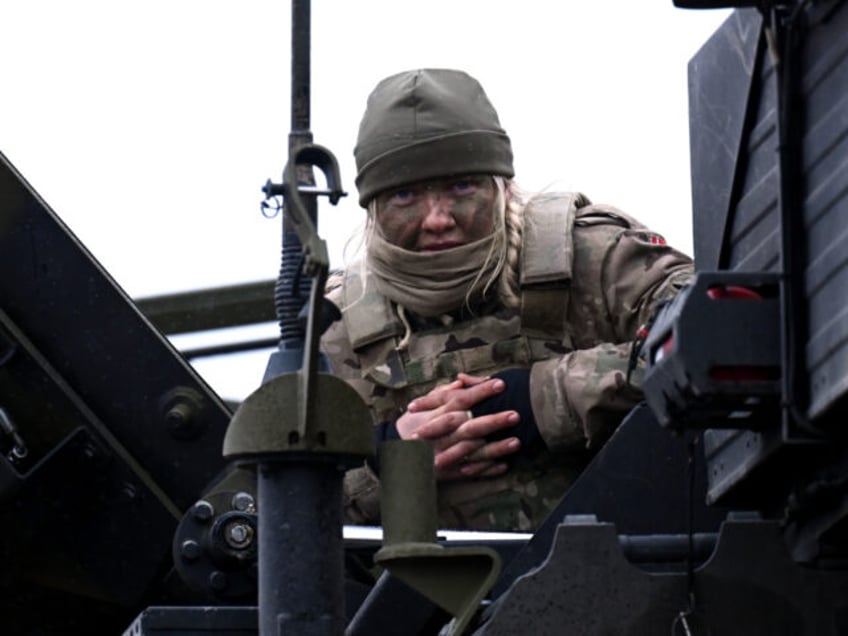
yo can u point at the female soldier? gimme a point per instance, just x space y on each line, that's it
497 325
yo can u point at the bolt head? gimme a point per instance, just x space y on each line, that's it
190 550
244 502
238 535
203 511
218 581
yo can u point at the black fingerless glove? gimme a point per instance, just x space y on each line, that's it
515 397
383 432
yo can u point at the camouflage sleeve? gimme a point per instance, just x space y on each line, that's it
361 485
361 497
621 272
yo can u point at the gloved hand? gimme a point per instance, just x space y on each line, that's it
515 397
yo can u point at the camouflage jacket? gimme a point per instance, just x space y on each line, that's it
590 277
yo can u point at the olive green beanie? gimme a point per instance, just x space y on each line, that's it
425 124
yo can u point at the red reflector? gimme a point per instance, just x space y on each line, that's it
732 292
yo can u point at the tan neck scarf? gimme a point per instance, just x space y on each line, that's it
430 283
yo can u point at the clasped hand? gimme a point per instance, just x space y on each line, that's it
444 417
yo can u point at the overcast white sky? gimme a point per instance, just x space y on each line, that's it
150 127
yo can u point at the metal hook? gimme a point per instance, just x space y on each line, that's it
316 156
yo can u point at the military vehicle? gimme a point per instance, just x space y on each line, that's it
134 500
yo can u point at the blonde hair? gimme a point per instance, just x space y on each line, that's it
509 283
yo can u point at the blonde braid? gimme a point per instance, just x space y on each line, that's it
509 282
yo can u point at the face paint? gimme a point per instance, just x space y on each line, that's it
437 214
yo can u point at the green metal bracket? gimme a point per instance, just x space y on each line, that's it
455 579
268 421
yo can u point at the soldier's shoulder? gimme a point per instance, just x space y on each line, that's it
603 214
546 203
585 212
